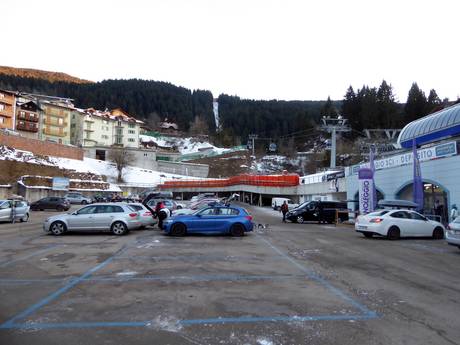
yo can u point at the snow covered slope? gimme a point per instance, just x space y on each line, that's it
183 145
132 175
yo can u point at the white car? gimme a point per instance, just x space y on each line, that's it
398 223
146 216
453 233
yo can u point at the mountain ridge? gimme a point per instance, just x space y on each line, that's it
42 74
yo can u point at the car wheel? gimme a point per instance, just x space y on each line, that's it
178 229
438 233
42 209
142 227
179 207
59 208
368 234
237 230
25 218
58 228
299 219
84 202
119 228
393 233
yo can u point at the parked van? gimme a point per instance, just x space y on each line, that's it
318 211
277 202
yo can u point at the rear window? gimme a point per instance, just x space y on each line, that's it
136 207
379 213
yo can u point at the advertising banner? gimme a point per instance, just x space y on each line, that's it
435 152
60 183
366 190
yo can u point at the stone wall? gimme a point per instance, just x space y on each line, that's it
39 147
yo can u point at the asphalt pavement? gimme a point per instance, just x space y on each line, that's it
282 284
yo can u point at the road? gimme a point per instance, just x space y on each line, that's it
282 284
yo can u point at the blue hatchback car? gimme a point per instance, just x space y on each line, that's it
231 220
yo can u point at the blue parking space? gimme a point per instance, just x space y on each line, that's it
169 276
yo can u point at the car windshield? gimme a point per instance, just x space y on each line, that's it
457 220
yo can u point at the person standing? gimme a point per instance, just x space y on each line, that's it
439 211
284 209
453 213
160 213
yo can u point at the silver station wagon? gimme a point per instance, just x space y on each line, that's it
117 218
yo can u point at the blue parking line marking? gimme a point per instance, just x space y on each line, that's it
55 294
193 278
196 278
312 275
191 322
248 319
38 252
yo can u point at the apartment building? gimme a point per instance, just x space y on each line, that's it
91 127
56 122
7 109
28 118
126 129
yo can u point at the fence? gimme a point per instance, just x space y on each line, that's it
288 180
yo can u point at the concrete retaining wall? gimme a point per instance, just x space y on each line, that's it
187 169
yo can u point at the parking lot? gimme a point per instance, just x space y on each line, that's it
282 284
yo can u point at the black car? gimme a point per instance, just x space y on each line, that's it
319 211
51 203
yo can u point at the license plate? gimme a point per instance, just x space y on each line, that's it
362 227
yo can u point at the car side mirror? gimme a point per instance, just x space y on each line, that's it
74 213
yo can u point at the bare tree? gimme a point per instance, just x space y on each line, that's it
122 158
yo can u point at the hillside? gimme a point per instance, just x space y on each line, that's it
39 74
151 101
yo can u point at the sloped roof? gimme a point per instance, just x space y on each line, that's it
439 125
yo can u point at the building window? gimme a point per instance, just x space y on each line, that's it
131 131
103 136
119 141
131 125
2 106
2 95
72 125
60 121
2 120
131 140
88 135
105 122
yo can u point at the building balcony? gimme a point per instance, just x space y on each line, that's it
51 122
7 112
28 117
27 126
56 133
88 129
90 120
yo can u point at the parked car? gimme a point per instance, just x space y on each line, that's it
171 205
21 210
318 211
453 233
78 198
398 223
51 203
277 202
146 216
118 219
232 220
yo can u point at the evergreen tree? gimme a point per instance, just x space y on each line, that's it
387 115
434 103
328 109
416 105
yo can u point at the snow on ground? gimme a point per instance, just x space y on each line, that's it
131 175
184 145
273 163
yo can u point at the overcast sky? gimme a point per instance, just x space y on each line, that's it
264 49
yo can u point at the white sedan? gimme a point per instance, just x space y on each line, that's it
398 223
453 233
